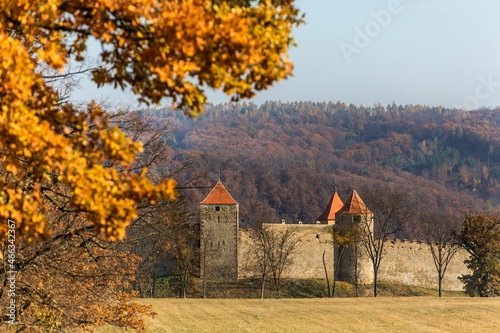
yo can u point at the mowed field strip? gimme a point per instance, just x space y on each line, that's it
382 314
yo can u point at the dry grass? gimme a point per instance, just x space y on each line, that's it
382 314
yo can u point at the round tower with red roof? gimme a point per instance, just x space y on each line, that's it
354 219
219 224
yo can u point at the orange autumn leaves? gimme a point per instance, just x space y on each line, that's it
50 149
176 48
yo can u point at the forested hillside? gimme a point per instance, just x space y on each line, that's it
284 160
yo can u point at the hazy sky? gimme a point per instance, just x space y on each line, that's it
433 52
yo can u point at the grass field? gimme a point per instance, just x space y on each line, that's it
382 314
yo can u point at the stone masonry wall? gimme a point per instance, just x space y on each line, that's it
307 261
219 241
405 262
411 263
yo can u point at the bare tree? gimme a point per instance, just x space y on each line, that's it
274 250
263 247
186 253
438 230
148 244
161 231
389 211
287 242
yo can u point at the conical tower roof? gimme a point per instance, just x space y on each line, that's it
354 205
219 196
334 205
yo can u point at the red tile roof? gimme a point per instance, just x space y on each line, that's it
333 207
354 205
219 196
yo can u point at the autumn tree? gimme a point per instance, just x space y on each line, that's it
67 175
438 231
156 49
389 211
150 233
480 237
75 277
164 236
344 237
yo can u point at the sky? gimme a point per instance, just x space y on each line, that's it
428 52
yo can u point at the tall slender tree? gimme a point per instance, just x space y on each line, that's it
390 210
438 231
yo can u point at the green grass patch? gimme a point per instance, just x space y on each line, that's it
168 287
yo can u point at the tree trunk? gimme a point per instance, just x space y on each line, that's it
375 278
336 270
440 282
204 287
356 270
153 286
203 269
184 283
262 286
141 292
326 275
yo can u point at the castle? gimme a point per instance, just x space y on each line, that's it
228 252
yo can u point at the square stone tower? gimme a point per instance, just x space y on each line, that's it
219 224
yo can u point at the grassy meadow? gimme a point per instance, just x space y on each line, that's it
382 314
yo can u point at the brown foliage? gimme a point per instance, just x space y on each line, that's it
73 279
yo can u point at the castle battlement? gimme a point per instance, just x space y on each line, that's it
404 242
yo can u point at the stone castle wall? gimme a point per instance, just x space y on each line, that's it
405 262
411 263
307 260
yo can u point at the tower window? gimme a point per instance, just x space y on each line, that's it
217 208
